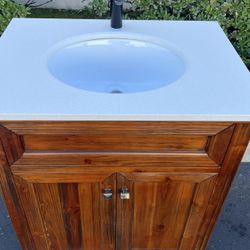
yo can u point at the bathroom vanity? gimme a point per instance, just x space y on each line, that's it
105 168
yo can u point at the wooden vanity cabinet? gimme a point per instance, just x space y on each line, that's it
117 185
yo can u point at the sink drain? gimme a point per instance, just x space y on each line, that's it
116 91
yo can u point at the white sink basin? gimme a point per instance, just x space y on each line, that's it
115 64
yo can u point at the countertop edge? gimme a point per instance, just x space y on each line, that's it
155 117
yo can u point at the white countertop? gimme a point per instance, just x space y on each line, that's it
215 86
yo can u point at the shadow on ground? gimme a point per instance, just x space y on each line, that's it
232 231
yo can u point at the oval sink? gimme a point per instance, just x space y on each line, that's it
116 65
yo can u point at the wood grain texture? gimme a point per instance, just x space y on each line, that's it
70 215
50 206
70 204
98 216
32 212
120 128
113 142
10 150
229 168
200 201
178 173
161 210
219 144
60 175
108 214
166 177
12 145
1 192
127 159
124 218
73 174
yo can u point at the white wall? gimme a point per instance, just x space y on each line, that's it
60 4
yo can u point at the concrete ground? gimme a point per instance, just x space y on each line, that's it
232 231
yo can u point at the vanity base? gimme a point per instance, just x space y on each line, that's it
117 185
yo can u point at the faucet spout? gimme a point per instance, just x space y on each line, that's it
116 13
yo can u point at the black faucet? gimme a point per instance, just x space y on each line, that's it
116 13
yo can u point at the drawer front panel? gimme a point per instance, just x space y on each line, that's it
110 142
97 143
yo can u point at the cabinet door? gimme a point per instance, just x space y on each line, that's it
67 210
161 210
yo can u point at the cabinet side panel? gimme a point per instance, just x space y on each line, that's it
219 144
10 150
229 167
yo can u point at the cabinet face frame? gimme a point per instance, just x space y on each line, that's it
226 143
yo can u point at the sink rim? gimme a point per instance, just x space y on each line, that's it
153 40
71 41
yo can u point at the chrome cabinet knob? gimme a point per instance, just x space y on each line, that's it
124 193
107 193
